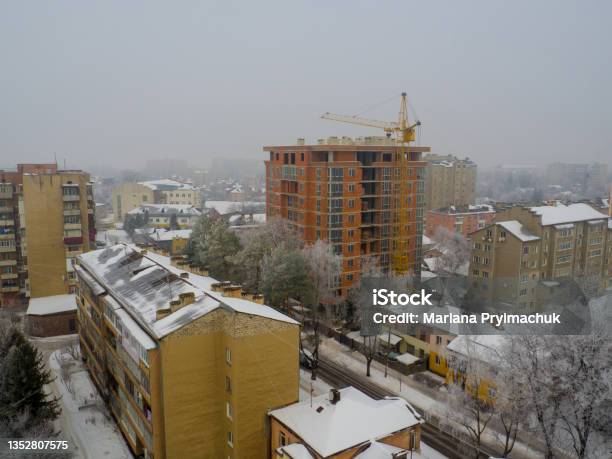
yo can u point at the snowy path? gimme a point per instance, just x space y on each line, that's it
94 433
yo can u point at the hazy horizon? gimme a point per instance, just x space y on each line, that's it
115 84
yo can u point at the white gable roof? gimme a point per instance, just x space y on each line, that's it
330 428
519 230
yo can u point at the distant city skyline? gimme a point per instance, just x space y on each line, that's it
114 83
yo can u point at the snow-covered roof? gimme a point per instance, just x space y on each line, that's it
517 229
166 185
434 263
407 359
143 283
485 348
329 428
168 235
555 215
51 305
230 207
160 209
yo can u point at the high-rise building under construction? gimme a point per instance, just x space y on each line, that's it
349 193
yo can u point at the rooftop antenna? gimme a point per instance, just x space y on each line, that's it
65 164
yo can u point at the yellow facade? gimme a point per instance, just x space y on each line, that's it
129 196
208 385
58 226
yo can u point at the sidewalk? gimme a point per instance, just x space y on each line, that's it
432 401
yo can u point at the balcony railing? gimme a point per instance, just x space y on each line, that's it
71 197
8 262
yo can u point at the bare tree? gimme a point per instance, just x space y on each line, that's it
466 404
324 268
370 347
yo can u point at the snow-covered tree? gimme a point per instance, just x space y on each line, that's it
212 245
324 268
257 243
284 276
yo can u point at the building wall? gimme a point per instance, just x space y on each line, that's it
263 371
52 324
343 194
46 230
449 181
128 196
463 223
189 197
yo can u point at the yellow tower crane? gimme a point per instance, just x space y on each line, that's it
403 133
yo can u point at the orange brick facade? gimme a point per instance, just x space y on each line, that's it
344 194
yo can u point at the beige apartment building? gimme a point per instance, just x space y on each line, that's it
449 181
46 220
519 258
128 196
189 366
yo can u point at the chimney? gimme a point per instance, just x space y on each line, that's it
334 396
175 305
184 275
186 298
162 312
301 141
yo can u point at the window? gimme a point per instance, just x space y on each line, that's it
485 274
525 250
524 278
564 259
595 253
523 292
351 247
282 438
475 272
228 384
228 355
351 172
565 245
351 218
230 439
351 203
228 410
438 361
438 340
351 187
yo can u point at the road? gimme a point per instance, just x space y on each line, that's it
438 440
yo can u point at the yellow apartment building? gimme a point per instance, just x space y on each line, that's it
160 215
59 224
529 248
189 366
46 220
128 196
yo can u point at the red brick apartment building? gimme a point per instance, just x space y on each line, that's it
461 219
344 192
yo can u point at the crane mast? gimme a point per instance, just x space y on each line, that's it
403 134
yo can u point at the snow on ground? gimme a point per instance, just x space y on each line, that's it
318 386
89 423
430 400
113 236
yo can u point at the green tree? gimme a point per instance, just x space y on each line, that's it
174 225
22 381
285 275
258 243
213 246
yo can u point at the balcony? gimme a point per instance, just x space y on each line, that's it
6 210
8 262
68 212
6 193
9 289
71 197
73 253
73 240
72 226
8 276
10 222
8 248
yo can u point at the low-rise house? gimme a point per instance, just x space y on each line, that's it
459 219
346 423
174 242
52 315
161 215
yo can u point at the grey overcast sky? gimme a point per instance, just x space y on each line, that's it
116 82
